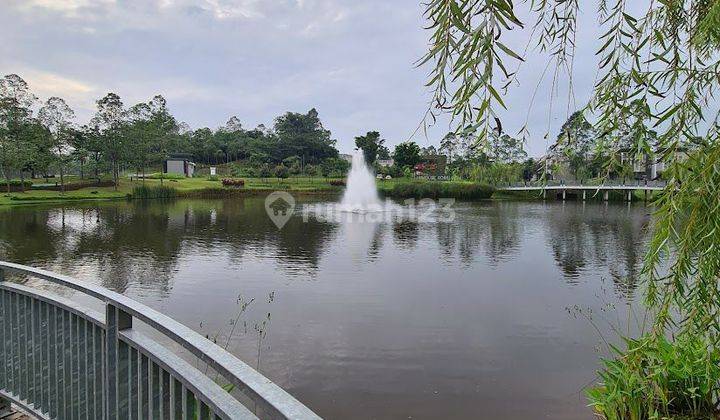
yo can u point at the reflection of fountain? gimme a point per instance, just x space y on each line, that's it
361 193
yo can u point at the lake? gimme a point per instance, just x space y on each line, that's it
497 313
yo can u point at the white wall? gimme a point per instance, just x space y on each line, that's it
176 167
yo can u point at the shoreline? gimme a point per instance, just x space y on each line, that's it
211 189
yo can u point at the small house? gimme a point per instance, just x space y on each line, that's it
385 163
180 164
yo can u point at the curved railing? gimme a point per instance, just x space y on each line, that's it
63 361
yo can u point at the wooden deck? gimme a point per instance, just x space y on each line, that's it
13 414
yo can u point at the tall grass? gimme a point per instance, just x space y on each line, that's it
145 192
435 190
655 378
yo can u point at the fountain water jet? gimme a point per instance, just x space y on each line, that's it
361 192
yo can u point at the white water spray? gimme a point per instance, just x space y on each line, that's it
361 192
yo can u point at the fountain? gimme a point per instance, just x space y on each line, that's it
361 192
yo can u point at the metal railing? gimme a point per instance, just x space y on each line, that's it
62 361
608 183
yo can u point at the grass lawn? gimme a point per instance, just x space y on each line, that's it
186 185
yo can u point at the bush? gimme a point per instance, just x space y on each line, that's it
435 190
144 192
337 182
74 186
237 183
160 175
212 178
281 172
657 378
15 185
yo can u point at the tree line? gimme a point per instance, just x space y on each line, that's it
42 137
36 138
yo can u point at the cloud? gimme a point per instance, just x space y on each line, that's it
68 8
352 60
76 93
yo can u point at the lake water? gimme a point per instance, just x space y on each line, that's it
472 318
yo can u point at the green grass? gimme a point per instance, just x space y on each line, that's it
407 188
159 175
184 187
658 378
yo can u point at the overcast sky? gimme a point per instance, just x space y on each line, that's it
350 59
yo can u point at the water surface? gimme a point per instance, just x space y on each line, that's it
474 318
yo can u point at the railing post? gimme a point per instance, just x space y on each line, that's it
115 320
5 408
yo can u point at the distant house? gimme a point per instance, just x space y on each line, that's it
385 163
346 157
180 164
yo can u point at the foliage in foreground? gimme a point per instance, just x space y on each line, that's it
655 94
436 190
145 192
656 378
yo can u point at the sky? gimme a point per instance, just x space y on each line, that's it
352 60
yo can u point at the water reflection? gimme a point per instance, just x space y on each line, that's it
141 241
384 319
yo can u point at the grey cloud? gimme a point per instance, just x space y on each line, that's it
352 60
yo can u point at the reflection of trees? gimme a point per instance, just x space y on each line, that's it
504 231
406 234
613 237
494 228
141 242
377 241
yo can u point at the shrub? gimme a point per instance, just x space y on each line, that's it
145 192
281 171
658 378
265 171
159 175
435 190
74 186
15 185
230 182
337 182
212 178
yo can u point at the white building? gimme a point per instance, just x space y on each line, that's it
385 163
179 164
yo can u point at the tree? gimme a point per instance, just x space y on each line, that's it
505 149
370 144
576 143
383 152
137 131
657 68
233 125
57 118
109 119
16 148
407 154
163 129
529 169
302 135
448 145
334 167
